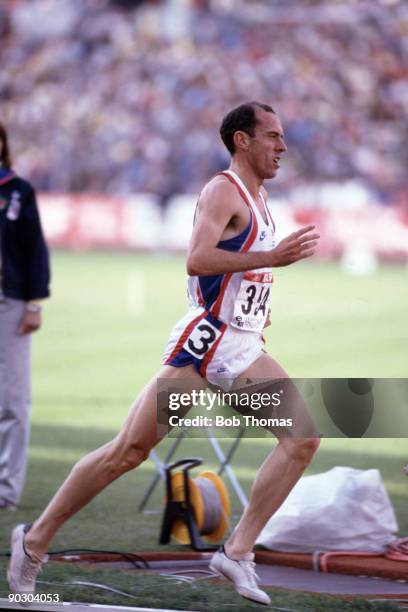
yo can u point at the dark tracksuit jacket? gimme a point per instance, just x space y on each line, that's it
24 259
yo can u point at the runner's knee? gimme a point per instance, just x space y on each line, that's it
301 449
135 455
123 457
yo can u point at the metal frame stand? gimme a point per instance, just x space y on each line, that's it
223 458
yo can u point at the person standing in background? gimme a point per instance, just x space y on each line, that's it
24 281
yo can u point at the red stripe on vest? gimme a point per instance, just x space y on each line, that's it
199 294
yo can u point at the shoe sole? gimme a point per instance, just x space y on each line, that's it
216 571
13 543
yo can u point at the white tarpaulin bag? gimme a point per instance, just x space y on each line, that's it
342 509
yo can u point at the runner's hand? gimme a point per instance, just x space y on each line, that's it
296 246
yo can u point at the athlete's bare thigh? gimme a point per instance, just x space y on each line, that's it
265 375
141 423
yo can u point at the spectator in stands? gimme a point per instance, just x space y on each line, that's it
125 100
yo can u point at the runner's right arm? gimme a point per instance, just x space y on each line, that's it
217 207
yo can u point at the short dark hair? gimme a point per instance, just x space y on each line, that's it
242 118
5 160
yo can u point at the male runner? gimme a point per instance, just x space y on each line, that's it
229 261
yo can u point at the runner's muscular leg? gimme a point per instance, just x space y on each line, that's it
280 471
137 436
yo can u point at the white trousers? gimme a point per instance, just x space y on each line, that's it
14 400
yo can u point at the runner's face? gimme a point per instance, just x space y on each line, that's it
267 145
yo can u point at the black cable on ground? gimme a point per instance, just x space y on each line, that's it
136 560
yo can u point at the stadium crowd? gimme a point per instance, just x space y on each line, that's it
99 97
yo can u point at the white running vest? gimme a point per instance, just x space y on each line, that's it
240 299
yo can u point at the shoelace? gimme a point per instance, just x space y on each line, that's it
249 568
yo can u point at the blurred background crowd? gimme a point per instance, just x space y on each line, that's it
124 96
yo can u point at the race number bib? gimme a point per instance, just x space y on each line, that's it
201 339
252 302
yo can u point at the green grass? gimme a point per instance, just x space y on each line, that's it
152 591
104 332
